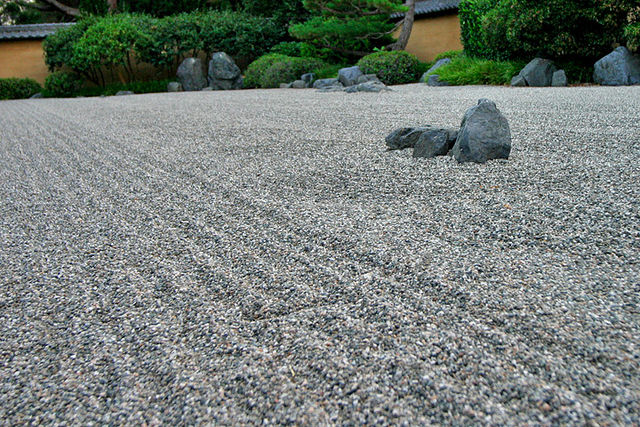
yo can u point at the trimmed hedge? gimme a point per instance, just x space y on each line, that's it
15 88
270 70
396 67
554 29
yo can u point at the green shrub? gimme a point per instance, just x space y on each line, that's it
62 84
632 34
451 54
58 47
471 13
270 70
396 67
14 88
554 29
110 42
464 70
288 48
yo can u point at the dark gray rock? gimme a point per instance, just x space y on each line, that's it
435 142
559 79
207 89
434 80
299 84
124 93
538 72
403 138
322 83
440 63
371 86
349 76
285 85
191 74
224 74
367 78
518 81
36 96
484 134
334 88
308 78
619 68
174 87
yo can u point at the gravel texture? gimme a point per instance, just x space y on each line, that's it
258 257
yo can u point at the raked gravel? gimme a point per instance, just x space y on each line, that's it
258 257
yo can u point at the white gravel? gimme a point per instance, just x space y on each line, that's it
257 257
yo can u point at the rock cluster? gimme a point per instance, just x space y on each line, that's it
538 73
484 135
434 79
223 74
351 80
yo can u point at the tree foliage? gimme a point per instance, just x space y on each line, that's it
351 27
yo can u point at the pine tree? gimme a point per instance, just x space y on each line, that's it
349 27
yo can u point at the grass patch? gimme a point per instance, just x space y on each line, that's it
464 70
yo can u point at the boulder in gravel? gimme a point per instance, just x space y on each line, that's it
518 81
308 78
371 86
559 79
224 74
37 96
484 134
367 78
124 93
440 63
349 76
619 68
285 85
435 142
434 80
538 72
174 87
299 84
322 83
403 138
191 74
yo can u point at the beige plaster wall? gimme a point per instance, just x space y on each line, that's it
22 58
432 36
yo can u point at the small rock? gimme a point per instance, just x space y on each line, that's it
518 81
174 87
36 96
538 72
619 68
559 79
191 74
207 89
349 76
308 78
299 84
124 93
371 86
322 83
367 78
403 138
285 85
434 80
440 63
484 134
435 142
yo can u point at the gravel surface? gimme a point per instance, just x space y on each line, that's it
257 257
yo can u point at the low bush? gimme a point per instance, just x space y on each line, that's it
632 34
464 70
155 86
451 54
272 69
15 88
62 84
396 67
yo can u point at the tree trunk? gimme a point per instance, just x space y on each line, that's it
113 6
68 10
407 26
